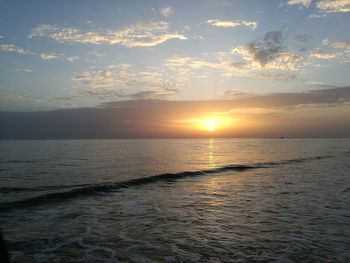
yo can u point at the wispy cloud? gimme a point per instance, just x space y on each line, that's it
334 6
166 11
72 59
339 48
224 2
304 3
141 34
14 96
186 68
24 70
195 63
13 48
49 56
123 82
322 55
149 94
229 23
345 46
57 101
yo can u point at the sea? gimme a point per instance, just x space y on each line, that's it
176 200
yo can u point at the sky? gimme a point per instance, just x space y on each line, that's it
119 69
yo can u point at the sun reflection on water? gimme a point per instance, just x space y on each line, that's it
211 160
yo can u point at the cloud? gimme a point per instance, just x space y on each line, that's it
120 81
24 70
186 28
339 48
14 96
224 2
228 23
345 46
262 52
150 94
185 68
95 53
302 42
13 48
141 34
52 55
166 11
49 56
302 38
198 37
237 93
321 55
324 85
195 63
334 6
267 55
266 58
305 3
265 75
72 59
58 101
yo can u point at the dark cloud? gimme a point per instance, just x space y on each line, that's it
150 94
302 42
303 38
268 48
266 58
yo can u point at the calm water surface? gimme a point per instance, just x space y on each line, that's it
202 200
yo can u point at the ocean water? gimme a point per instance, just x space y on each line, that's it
179 200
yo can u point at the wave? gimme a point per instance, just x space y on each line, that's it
94 189
24 161
38 188
30 161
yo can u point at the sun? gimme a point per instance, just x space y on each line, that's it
212 124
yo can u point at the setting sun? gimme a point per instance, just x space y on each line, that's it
212 124
208 123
